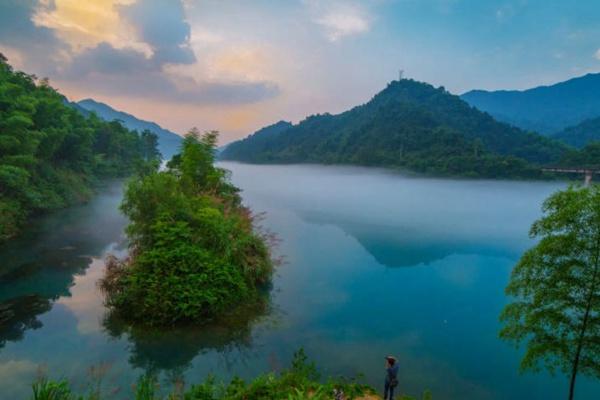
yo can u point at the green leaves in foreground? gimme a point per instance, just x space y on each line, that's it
298 382
556 288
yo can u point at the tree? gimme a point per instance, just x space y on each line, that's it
556 288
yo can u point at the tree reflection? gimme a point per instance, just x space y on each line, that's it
172 350
19 315
39 266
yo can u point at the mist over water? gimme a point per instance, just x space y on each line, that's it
375 263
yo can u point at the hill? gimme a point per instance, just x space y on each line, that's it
168 142
582 134
243 149
50 154
408 125
544 109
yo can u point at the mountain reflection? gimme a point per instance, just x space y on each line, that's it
406 246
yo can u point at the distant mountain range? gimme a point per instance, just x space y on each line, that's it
168 142
545 109
408 125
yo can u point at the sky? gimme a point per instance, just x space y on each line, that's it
238 65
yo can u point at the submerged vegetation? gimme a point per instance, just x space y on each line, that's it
195 251
556 286
50 154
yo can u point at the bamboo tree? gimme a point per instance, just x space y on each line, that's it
556 288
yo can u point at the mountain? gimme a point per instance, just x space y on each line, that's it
544 109
168 142
580 135
51 155
408 125
241 149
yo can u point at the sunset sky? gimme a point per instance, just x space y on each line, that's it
236 66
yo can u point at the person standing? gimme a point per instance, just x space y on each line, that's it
391 377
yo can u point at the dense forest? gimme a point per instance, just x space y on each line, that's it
582 134
51 154
168 142
409 125
589 157
195 251
543 109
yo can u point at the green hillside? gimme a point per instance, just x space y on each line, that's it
582 134
168 142
409 125
50 154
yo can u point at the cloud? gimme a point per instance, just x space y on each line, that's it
129 48
128 72
38 47
161 24
340 20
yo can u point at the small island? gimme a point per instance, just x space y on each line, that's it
195 252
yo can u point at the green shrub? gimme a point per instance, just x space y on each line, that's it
195 253
51 390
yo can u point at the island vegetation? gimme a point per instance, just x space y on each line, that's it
556 288
195 250
51 155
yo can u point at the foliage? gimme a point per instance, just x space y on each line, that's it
582 134
409 125
50 154
195 252
51 390
301 381
589 156
556 288
167 142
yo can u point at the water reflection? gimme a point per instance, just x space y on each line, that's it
19 315
41 265
394 245
155 350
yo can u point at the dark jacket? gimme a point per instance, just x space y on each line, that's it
391 373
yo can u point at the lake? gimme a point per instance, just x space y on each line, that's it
375 263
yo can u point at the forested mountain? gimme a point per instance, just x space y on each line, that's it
408 125
580 135
243 149
544 109
50 154
168 142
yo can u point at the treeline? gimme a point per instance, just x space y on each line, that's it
50 154
582 134
409 125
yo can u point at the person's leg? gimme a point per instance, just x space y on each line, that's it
386 391
391 393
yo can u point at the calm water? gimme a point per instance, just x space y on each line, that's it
376 263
